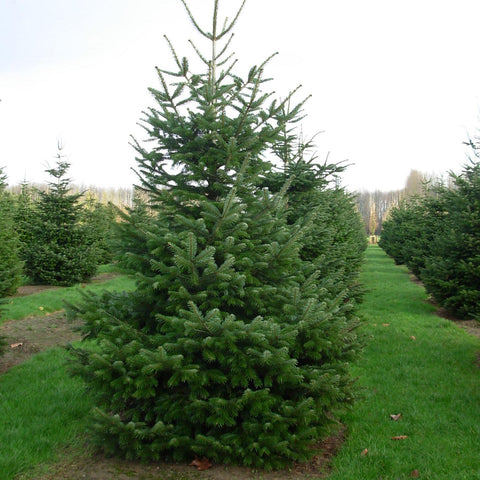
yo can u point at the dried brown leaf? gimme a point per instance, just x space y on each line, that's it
396 416
201 464
16 345
364 452
399 437
415 473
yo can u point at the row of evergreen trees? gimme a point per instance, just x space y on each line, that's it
51 237
237 341
437 235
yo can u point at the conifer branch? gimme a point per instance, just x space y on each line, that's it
224 49
197 51
169 97
198 314
192 19
174 54
225 73
223 62
226 29
243 169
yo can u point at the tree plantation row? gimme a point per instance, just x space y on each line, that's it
437 235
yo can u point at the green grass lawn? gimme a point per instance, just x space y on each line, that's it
421 366
49 301
42 413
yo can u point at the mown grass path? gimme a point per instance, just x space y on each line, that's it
421 366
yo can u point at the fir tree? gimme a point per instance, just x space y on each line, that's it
60 250
452 270
10 264
227 348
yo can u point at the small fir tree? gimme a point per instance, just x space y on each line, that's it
60 250
10 263
227 348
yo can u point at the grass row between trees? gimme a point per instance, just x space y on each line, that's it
416 364
421 366
53 300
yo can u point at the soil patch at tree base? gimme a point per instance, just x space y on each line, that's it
97 467
32 335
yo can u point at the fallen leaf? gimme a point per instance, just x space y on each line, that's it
40 308
386 324
400 437
413 337
201 464
396 417
16 345
364 452
415 473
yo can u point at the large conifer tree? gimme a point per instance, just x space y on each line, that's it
227 348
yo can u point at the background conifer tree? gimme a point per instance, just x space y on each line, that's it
59 249
24 216
100 219
452 269
227 348
334 241
10 264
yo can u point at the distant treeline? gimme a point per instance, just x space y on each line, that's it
117 195
375 207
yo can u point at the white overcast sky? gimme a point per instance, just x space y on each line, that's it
395 84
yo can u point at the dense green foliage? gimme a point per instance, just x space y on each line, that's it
237 341
437 236
10 264
101 220
410 233
334 239
452 270
58 248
